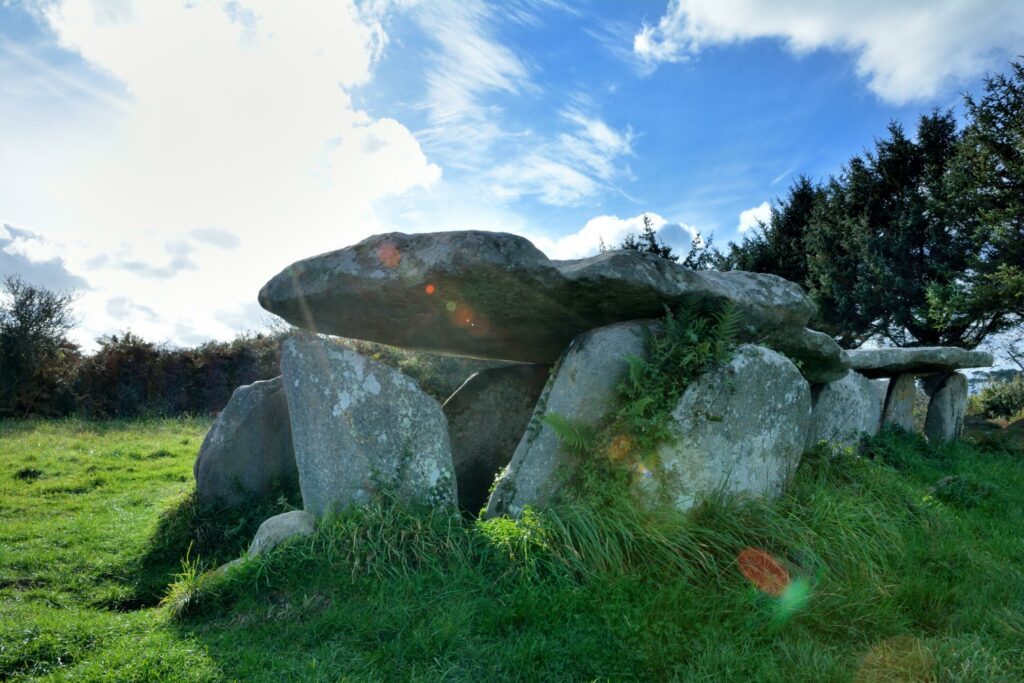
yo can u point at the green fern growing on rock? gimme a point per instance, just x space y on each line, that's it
685 344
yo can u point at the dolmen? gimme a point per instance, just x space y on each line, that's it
946 388
344 428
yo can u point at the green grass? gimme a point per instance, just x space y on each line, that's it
907 564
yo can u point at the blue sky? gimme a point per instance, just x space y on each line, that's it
165 159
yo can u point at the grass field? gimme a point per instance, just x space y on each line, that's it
907 563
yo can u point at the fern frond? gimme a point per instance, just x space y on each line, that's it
727 329
577 437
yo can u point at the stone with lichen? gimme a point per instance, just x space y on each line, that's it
362 429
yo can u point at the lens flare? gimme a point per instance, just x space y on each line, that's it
620 447
463 316
764 571
389 255
429 289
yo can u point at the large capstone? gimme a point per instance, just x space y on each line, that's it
361 428
739 429
487 417
843 411
247 455
899 402
915 360
582 388
947 406
495 295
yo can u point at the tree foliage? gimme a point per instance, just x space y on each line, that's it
701 255
35 354
918 241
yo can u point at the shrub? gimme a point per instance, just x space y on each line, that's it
1001 399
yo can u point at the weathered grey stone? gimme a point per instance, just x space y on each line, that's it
947 406
844 410
360 427
881 387
582 387
487 417
821 360
899 402
917 360
280 528
495 295
247 454
739 429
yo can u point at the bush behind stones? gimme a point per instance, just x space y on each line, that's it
1001 399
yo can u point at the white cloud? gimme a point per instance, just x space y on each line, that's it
610 231
200 113
906 49
570 169
751 218
37 261
469 71
468 65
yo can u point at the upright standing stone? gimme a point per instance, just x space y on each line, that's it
740 428
899 402
582 388
881 387
844 410
247 454
487 417
947 406
361 428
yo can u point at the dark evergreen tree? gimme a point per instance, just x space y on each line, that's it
779 246
917 241
648 241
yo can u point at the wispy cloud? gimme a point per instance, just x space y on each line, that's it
782 176
468 64
573 167
560 161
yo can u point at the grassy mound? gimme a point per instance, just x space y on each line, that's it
901 563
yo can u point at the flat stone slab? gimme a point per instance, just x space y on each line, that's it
361 428
582 388
740 429
495 295
247 455
487 417
915 360
845 410
947 406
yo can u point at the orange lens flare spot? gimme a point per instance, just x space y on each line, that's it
389 255
463 316
764 571
429 289
620 447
